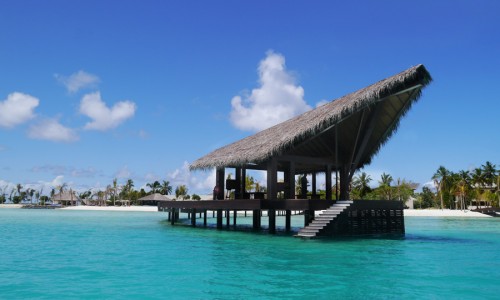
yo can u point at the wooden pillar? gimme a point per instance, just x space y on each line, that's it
289 178
272 180
272 220
172 219
308 216
344 183
243 183
219 178
288 217
256 219
169 216
205 218
313 185
238 194
235 213
193 217
303 187
228 214
328 182
219 219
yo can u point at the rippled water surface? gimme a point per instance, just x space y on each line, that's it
57 254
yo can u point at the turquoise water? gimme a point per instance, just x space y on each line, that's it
54 254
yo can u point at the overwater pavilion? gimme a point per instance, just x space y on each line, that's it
335 139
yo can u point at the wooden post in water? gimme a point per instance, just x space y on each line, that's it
205 218
219 219
172 219
228 217
234 217
193 217
272 220
256 219
288 216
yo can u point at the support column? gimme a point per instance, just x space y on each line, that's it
344 183
205 218
193 217
219 219
172 219
272 220
238 194
313 185
256 219
272 180
328 182
288 217
303 187
308 216
228 214
235 213
289 178
219 186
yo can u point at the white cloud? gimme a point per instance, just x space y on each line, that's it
123 173
52 130
78 81
16 109
322 102
200 182
104 118
277 99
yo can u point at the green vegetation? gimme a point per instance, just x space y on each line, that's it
454 190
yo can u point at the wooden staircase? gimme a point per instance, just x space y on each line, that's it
321 222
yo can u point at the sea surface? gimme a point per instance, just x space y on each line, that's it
58 254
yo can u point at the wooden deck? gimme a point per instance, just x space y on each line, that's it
360 218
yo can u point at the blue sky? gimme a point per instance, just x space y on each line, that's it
93 90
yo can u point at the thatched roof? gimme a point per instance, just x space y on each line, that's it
373 111
154 197
66 196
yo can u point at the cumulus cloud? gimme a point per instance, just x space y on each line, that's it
322 102
123 173
78 81
103 117
197 182
52 130
16 109
278 98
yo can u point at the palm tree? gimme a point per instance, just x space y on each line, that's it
249 183
155 186
477 180
489 172
128 188
462 186
361 183
31 192
385 185
114 189
440 180
181 191
166 188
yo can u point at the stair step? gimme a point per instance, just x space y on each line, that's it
344 202
306 235
309 231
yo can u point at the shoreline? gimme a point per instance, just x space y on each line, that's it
407 212
443 213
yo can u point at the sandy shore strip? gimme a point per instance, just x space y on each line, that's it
11 205
113 208
443 213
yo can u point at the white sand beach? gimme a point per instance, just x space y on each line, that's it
113 208
443 213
